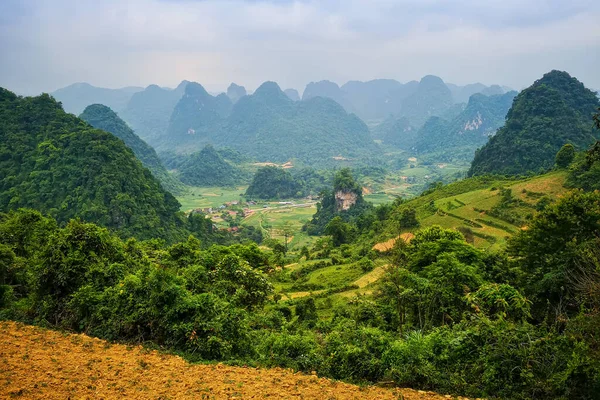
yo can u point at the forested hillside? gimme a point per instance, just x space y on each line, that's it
102 117
555 110
458 138
55 162
208 168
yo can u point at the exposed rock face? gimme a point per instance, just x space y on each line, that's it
344 200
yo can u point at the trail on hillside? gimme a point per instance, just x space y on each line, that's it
41 364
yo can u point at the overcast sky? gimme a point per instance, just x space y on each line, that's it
48 44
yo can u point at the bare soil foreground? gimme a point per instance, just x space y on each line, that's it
42 364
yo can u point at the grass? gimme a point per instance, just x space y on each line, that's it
464 204
205 197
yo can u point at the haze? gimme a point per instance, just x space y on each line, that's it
46 45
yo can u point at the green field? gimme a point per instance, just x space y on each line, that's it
204 197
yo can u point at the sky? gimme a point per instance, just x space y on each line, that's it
48 44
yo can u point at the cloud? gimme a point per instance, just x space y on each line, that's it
49 44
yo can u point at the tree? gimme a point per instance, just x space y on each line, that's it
565 156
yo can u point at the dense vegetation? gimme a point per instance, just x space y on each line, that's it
102 117
331 215
208 168
58 164
518 321
273 183
457 139
555 110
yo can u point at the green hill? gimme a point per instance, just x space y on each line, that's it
208 168
273 183
485 209
57 163
458 138
555 110
102 117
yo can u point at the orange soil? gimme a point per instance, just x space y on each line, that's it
41 364
389 244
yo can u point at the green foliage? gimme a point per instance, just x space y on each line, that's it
82 277
102 117
273 183
565 156
554 111
208 168
56 163
329 207
550 249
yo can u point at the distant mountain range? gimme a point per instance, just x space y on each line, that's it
269 126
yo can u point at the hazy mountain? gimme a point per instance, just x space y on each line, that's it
271 127
76 97
458 138
396 132
59 164
292 94
235 92
555 110
329 90
195 116
432 98
148 111
102 117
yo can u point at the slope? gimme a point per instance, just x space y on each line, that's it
485 209
555 110
457 139
208 168
55 162
53 365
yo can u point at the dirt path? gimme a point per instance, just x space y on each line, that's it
42 364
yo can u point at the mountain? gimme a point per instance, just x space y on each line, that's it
102 117
458 138
76 97
292 94
329 90
235 92
268 126
377 99
208 168
555 110
432 98
271 127
396 132
57 163
374 100
461 94
149 110
196 116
